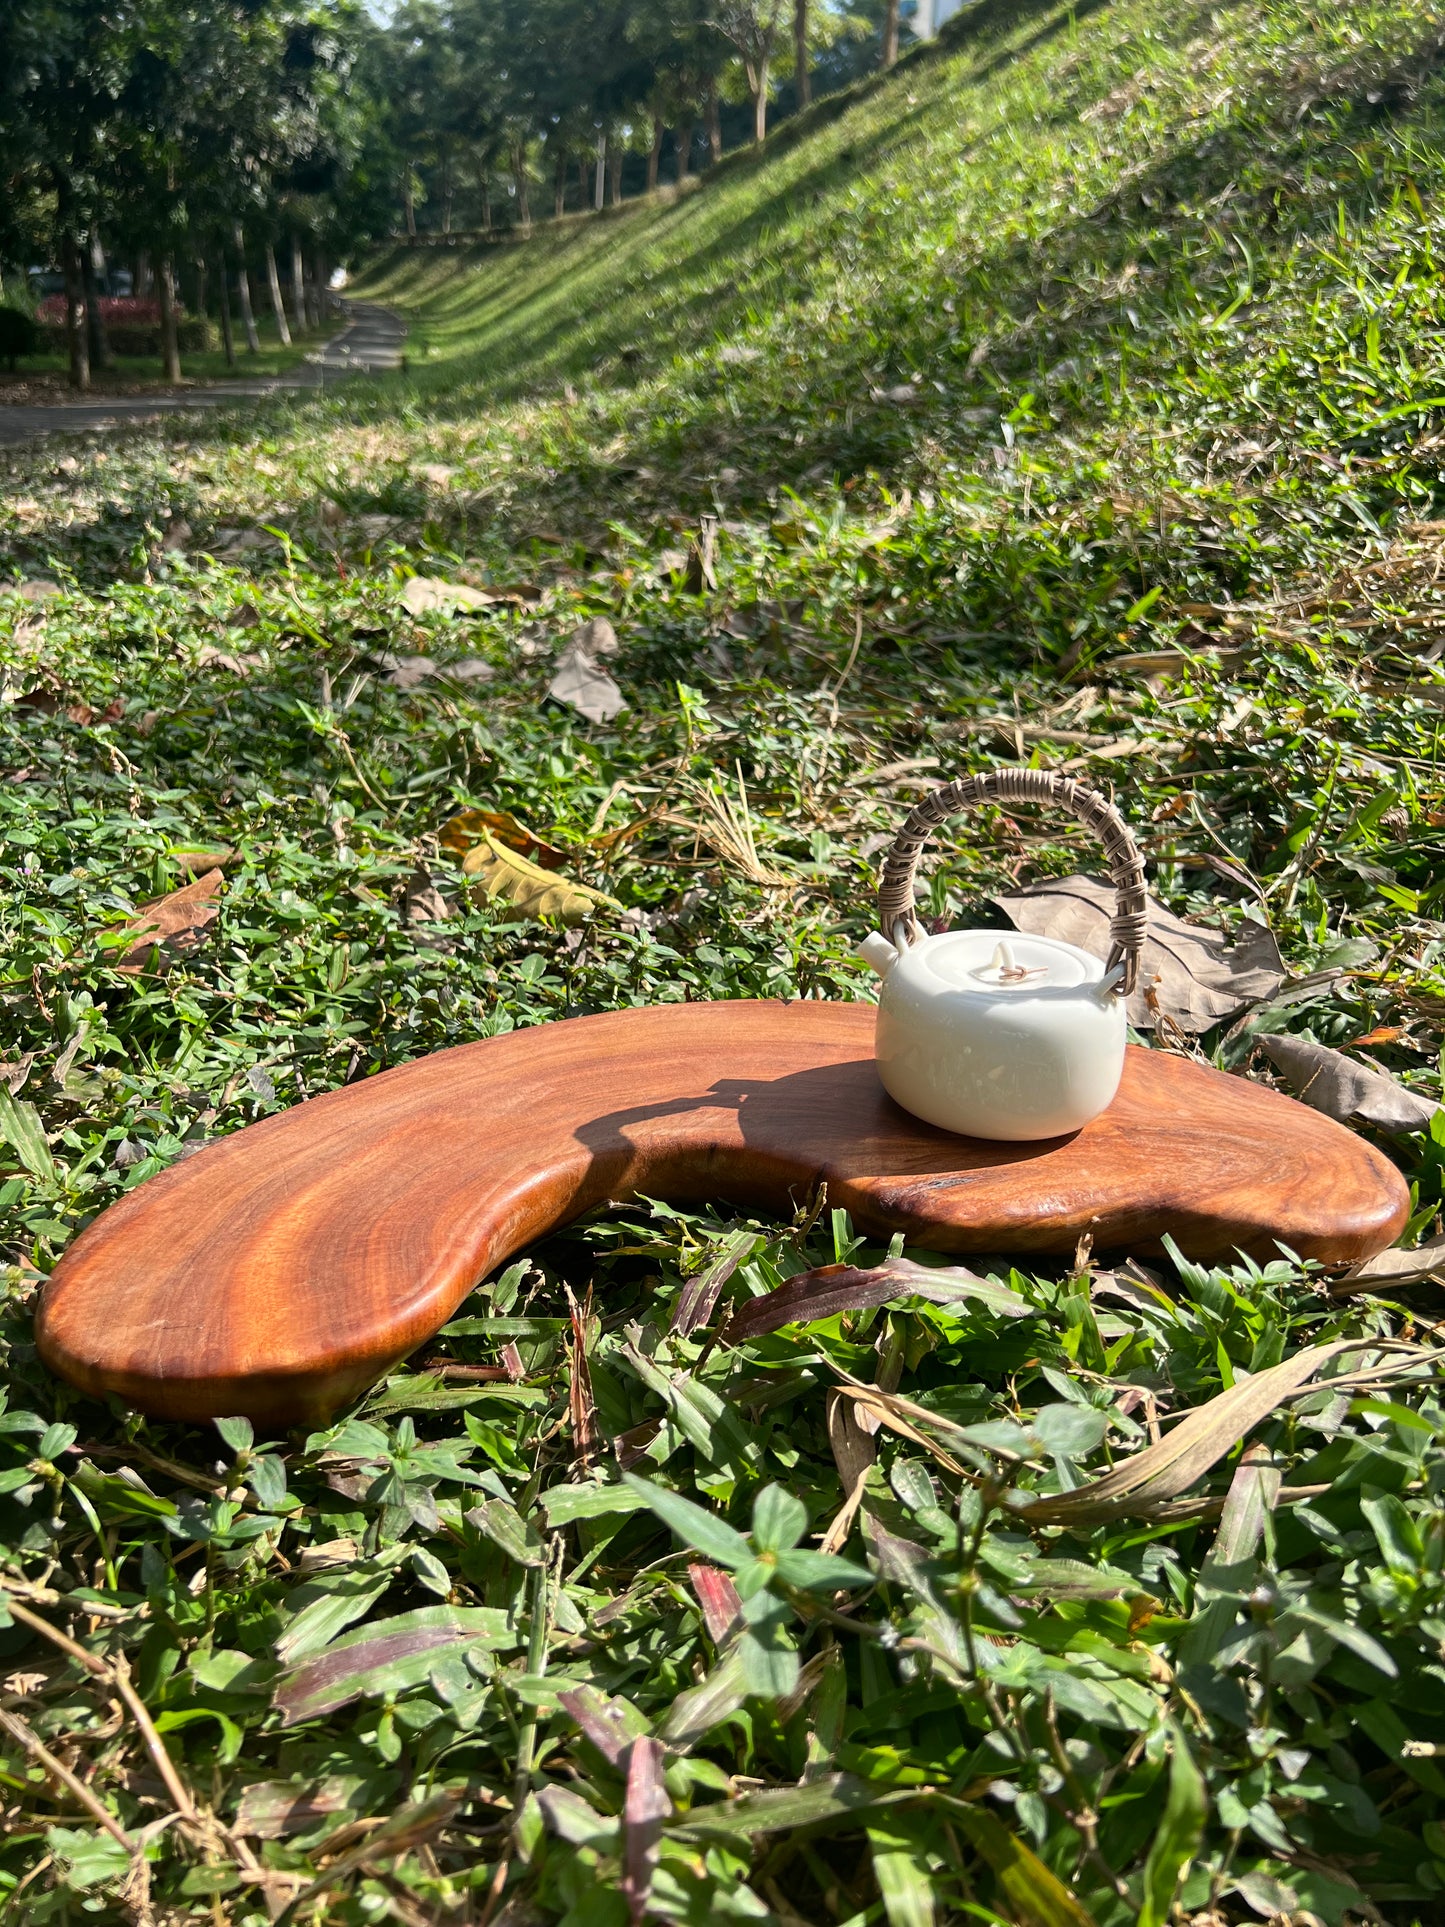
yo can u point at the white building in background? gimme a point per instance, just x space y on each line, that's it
929 16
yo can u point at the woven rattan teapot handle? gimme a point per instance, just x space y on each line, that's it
1096 812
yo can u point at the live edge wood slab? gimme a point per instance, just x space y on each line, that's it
282 1270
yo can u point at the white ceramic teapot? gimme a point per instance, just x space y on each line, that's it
992 1034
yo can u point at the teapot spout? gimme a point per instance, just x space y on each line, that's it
878 953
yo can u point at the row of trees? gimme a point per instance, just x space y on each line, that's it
497 105
186 132
203 139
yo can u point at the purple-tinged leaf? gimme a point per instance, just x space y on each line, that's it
718 1597
700 1294
610 1724
644 1809
815 1295
386 1658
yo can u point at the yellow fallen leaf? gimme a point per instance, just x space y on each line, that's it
512 877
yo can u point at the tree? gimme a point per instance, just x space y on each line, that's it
753 26
890 35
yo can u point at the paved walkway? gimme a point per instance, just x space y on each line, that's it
370 344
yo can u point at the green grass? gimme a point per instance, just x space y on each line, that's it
1164 507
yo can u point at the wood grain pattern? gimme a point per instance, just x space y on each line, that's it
280 1271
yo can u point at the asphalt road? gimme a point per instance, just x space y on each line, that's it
370 344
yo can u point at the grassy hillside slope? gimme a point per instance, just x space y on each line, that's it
1075 394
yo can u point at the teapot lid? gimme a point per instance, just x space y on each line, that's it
990 961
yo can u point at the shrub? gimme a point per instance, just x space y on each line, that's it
115 310
18 335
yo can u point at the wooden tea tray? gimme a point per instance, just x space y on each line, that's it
280 1271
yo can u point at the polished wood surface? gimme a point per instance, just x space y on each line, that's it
280 1271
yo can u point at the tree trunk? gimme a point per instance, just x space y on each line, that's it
760 99
714 125
447 195
316 293
228 338
654 153
682 134
582 180
600 179
144 280
519 171
298 285
408 204
890 34
202 290
97 344
278 307
802 84
76 337
243 290
559 184
170 346
614 173
487 203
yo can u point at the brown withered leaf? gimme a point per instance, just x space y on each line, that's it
1146 1484
468 830
581 1408
172 925
430 595
830 1289
1192 976
210 657
421 900
53 702
1350 1093
197 859
1388 1270
507 875
579 680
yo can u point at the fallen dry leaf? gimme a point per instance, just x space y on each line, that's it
39 588
579 681
509 876
1192 976
1350 1093
1146 1483
405 672
174 923
430 595
52 702
468 669
422 902
464 832
375 528
595 637
1393 1268
197 860
211 657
